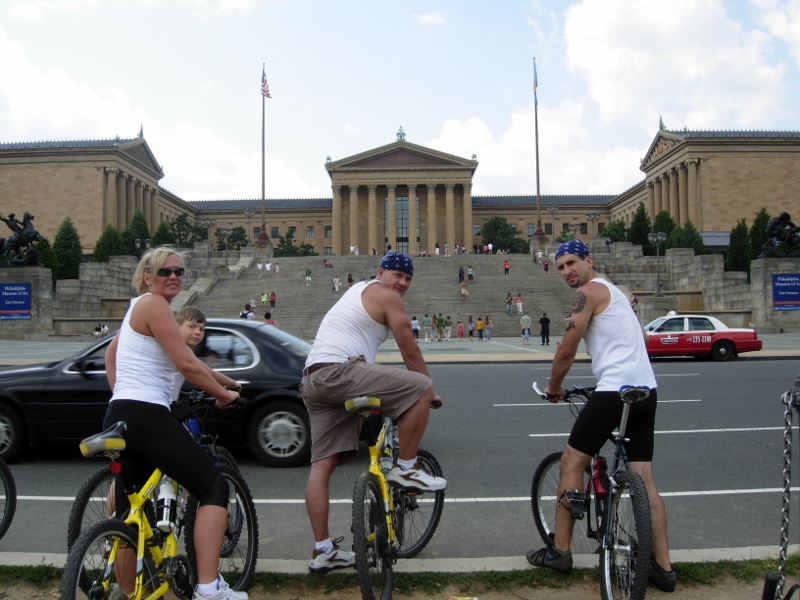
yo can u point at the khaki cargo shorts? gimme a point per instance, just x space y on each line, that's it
333 429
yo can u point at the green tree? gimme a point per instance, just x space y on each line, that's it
163 235
137 230
237 238
758 234
502 235
108 244
664 222
615 231
738 256
186 233
286 247
68 251
47 257
641 225
686 237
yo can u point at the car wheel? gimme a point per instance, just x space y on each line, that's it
280 434
723 350
12 437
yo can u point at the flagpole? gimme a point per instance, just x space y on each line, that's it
263 234
539 233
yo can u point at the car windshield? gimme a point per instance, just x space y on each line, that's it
291 344
653 324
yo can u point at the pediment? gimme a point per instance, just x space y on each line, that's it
662 144
401 155
140 152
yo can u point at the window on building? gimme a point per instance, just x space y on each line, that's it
328 231
274 233
291 232
476 229
600 228
584 228
531 228
256 232
548 229
327 251
309 232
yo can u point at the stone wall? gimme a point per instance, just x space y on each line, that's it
761 282
40 325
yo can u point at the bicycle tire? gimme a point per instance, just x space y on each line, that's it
87 574
223 456
625 556
371 540
417 515
544 502
8 498
239 551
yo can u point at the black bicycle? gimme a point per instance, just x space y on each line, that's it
8 498
612 503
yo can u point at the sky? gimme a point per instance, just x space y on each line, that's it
457 75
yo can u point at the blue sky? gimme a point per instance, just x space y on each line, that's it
456 74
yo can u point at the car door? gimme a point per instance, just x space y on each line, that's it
668 338
700 335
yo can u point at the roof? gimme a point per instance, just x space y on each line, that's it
271 204
53 144
734 134
548 200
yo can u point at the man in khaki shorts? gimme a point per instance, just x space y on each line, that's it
341 365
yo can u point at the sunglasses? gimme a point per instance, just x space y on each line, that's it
167 271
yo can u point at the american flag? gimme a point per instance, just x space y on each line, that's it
264 84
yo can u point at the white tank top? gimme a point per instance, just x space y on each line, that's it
144 371
615 343
348 330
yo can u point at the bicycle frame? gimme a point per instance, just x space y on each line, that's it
380 446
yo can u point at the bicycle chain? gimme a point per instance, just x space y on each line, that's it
791 400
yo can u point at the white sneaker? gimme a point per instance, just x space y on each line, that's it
224 592
337 559
415 479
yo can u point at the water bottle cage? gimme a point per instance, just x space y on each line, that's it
577 503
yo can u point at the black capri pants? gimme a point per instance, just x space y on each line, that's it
154 438
600 417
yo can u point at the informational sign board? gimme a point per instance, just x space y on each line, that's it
15 301
786 291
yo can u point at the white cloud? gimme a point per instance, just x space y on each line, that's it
437 17
782 19
692 57
350 128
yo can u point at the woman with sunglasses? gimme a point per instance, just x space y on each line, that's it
146 365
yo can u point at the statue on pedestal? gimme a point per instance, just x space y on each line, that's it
20 242
784 238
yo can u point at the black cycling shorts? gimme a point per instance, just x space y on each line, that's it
600 417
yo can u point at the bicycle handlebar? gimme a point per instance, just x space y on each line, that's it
571 393
197 398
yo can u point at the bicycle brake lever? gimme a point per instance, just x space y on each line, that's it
539 392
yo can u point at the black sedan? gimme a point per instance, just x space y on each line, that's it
65 402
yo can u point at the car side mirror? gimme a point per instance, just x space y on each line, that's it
85 367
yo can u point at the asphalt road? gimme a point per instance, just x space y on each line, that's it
718 464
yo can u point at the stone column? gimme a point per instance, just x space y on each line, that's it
155 219
656 197
650 202
449 217
431 241
354 215
336 221
139 197
665 192
412 219
683 198
391 218
130 201
693 196
467 202
122 210
372 221
673 195
111 197
146 192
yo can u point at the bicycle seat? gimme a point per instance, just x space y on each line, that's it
362 404
634 394
110 440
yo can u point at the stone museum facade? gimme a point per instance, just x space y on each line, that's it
404 194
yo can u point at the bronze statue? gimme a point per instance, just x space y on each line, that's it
783 238
20 242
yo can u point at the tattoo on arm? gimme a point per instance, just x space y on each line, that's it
578 302
570 325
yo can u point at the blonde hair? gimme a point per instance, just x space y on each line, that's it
152 260
190 313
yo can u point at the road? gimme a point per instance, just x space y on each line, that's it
718 464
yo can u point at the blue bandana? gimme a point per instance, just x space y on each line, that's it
396 261
576 247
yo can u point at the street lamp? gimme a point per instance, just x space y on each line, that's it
223 236
574 229
208 224
657 239
553 210
593 217
248 214
138 243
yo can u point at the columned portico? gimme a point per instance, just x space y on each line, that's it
413 245
336 220
450 215
467 207
354 215
372 219
431 244
391 217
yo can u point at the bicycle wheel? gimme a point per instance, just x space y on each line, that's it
239 550
625 556
416 515
8 498
544 502
101 557
370 540
223 456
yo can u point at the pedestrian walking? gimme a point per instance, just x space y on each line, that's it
544 329
259 266
479 328
267 268
506 267
470 327
272 299
440 327
415 328
464 290
460 331
460 274
448 328
308 277
426 327
525 323
509 304
469 273
277 269
487 325
519 303
545 266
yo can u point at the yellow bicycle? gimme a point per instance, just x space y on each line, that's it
136 558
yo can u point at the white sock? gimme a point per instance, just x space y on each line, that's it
207 589
405 465
325 546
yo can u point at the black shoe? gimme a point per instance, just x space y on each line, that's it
663 580
551 558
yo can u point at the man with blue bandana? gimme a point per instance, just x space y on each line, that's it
602 317
341 365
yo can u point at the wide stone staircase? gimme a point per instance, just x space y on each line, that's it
435 289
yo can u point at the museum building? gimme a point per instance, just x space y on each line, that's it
405 195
